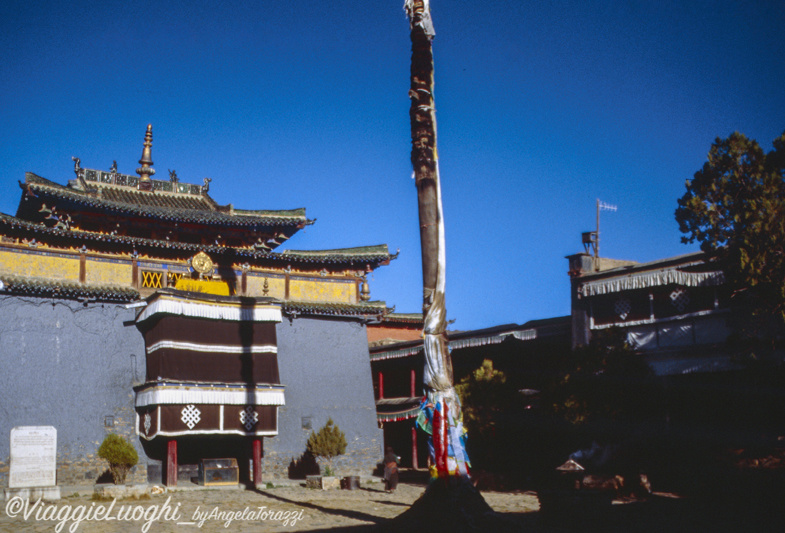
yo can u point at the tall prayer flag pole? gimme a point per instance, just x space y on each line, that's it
451 502
441 412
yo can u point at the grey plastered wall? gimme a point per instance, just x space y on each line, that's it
69 365
325 366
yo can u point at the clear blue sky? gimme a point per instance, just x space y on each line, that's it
542 108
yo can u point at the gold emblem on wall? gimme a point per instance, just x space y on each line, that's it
202 263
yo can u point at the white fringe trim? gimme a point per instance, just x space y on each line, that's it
214 310
406 352
218 348
652 279
185 395
268 433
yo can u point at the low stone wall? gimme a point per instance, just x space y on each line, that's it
89 472
121 492
360 459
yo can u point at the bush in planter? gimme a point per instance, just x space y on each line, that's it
121 456
329 442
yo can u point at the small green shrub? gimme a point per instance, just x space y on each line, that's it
329 442
121 456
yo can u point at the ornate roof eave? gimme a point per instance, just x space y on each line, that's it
37 186
404 318
363 311
48 288
378 254
262 213
373 256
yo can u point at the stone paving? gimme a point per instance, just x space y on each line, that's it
290 507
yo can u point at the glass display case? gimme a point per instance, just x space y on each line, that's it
219 472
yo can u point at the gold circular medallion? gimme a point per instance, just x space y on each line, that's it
202 263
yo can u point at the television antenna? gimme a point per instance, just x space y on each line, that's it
591 239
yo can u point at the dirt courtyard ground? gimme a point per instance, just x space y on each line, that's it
292 507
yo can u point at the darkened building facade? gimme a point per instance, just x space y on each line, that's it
520 351
676 314
673 311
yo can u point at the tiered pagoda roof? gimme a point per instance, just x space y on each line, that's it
104 229
136 214
111 202
121 199
372 256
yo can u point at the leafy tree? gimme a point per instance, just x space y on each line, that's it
488 401
735 208
329 442
121 456
484 393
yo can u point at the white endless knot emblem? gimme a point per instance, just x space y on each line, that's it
680 299
622 307
190 416
249 418
147 423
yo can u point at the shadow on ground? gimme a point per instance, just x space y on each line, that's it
735 504
348 513
661 514
656 515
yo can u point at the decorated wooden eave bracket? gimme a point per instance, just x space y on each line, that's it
53 219
260 245
27 192
390 257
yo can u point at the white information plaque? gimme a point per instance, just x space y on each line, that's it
33 457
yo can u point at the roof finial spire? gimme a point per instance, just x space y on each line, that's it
145 171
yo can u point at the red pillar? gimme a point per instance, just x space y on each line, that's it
415 465
257 462
171 463
413 391
381 385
